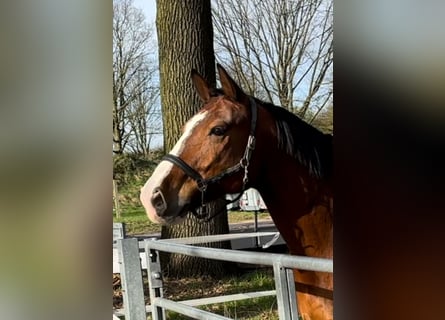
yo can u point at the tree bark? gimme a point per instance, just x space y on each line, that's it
185 38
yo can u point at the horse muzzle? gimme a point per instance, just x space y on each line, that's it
160 208
158 202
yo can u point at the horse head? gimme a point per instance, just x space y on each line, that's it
210 159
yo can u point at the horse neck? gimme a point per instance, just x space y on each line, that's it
300 206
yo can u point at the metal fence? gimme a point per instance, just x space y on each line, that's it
132 286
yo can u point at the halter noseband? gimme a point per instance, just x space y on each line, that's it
243 164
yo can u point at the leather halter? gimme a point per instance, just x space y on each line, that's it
243 164
314 290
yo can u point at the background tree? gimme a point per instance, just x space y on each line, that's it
324 120
135 89
280 51
143 118
185 38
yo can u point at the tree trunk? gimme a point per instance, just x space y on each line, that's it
117 208
117 136
176 265
185 38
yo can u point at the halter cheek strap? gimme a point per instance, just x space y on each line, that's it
243 164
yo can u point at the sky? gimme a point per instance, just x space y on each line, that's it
149 8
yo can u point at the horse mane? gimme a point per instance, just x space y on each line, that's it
303 142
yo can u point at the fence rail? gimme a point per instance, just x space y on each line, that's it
285 260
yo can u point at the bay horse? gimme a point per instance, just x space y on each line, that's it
236 142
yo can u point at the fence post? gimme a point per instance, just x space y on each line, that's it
285 288
131 279
117 207
155 283
255 229
119 231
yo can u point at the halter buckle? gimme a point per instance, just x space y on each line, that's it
244 163
251 142
202 185
248 152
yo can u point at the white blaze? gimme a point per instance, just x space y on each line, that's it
164 168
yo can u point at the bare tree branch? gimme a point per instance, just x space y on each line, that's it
278 50
135 80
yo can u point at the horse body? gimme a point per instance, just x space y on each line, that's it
301 208
290 165
306 226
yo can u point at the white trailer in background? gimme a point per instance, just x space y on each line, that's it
251 201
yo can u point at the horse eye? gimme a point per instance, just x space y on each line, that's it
218 131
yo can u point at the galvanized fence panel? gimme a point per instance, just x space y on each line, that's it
282 265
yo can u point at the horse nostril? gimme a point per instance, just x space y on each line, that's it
158 202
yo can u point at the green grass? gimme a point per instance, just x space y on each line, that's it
239 216
137 222
252 281
252 309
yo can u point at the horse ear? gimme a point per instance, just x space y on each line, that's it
229 86
201 85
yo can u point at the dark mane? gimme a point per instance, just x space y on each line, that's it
305 143
309 146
